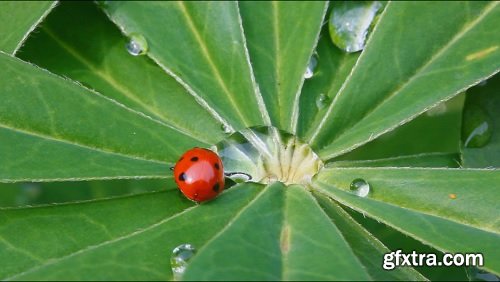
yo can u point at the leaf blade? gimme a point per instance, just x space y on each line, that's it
280 54
367 247
18 20
212 40
34 158
87 224
439 64
104 65
38 102
281 244
121 257
403 198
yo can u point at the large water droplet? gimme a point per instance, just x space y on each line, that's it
321 101
360 187
137 45
180 259
311 66
476 129
267 154
350 22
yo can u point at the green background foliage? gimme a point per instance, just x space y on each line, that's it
88 133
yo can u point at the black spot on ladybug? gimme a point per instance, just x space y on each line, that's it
182 177
216 166
216 187
194 159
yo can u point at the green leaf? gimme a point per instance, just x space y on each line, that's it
487 99
417 137
419 160
28 156
54 234
103 64
369 250
333 67
281 44
43 109
283 239
44 193
421 67
155 225
452 210
18 19
206 52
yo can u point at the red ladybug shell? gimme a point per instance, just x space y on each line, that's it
199 174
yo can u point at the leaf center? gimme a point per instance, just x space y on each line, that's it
266 154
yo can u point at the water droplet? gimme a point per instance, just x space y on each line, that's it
311 66
321 101
137 45
180 259
476 129
360 187
350 23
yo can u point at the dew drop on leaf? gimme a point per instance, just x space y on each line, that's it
360 187
321 101
351 21
137 45
476 129
180 259
311 66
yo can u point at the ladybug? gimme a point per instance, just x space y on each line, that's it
199 174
